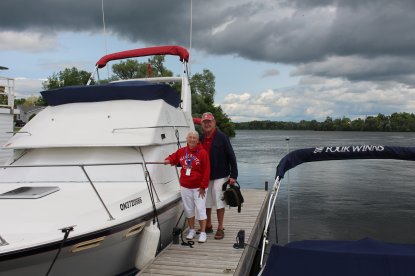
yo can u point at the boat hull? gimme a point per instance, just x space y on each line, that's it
106 252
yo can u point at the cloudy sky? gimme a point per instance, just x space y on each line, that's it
283 60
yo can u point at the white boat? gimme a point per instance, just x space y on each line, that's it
87 176
364 257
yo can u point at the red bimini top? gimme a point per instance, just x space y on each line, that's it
160 50
197 121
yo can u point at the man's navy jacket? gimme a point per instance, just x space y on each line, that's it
222 157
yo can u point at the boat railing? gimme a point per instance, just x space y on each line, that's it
271 203
114 130
154 80
147 176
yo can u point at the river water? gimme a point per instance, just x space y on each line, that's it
345 200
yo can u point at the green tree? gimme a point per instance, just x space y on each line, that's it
371 124
223 121
328 124
313 125
199 105
203 93
384 123
402 122
358 124
204 85
129 69
40 101
132 69
69 76
157 67
3 99
345 124
19 102
30 101
337 124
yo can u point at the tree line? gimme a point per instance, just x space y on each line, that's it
403 122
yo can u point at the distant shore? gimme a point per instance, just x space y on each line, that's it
396 122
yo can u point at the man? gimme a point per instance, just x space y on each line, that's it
223 167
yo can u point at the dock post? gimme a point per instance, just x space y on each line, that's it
266 185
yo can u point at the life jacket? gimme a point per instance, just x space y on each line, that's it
232 195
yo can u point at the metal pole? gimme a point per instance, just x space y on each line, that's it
191 31
288 195
102 202
147 174
105 34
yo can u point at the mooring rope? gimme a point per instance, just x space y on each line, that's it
66 230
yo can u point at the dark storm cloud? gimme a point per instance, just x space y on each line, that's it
373 29
147 21
355 4
299 32
356 68
47 15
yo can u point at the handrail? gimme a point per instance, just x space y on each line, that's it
147 174
78 165
156 79
271 204
124 128
97 193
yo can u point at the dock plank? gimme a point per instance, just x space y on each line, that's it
217 257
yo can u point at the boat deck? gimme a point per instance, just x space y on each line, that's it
218 257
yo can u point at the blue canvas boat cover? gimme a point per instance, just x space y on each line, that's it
131 90
366 257
300 156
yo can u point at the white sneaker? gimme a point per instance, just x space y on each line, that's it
191 234
202 237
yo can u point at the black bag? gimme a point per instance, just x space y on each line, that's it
232 195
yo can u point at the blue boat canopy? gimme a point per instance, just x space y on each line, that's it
131 90
300 156
365 257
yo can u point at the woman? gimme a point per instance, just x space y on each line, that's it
194 180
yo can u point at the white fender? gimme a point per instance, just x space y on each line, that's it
147 245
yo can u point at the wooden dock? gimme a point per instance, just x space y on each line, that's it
217 257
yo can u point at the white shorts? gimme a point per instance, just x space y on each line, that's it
193 205
214 195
